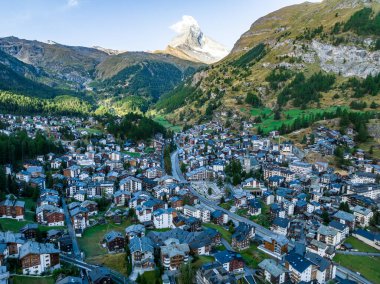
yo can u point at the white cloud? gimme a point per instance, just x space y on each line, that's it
72 3
184 25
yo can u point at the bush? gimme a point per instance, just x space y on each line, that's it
358 105
253 100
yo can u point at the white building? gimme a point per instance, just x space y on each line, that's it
163 218
362 215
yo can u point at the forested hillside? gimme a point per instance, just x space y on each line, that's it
60 105
117 83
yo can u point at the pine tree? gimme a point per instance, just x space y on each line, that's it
362 135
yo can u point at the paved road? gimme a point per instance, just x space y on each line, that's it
69 224
176 172
116 276
359 253
227 244
345 273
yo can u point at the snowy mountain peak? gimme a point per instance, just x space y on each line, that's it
108 50
51 42
191 41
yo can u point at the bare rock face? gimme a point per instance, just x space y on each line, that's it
350 4
374 129
347 60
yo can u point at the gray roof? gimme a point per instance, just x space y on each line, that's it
32 247
49 208
193 239
318 260
135 229
361 210
173 249
344 216
142 244
318 244
272 267
10 237
327 231
110 236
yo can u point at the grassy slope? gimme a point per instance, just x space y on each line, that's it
288 116
367 266
252 256
359 245
165 123
236 82
91 240
114 261
225 234
20 279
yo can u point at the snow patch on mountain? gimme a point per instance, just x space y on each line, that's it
109 51
191 41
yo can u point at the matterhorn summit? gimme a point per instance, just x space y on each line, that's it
191 44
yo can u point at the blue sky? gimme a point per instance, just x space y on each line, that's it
129 24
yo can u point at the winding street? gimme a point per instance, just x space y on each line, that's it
76 260
176 172
71 230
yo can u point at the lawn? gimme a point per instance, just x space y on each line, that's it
151 277
202 259
242 212
220 247
15 226
226 206
91 130
269 123
133 154
359 245
253 256
367 266
149 150
30 204
225 234
165 123
91 240
19 279
114 261
264 218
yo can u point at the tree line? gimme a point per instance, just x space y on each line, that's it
134 126
357 119
19 146
62 105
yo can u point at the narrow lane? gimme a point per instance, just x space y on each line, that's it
69 224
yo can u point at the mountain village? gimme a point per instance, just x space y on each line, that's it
235 206
250 161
